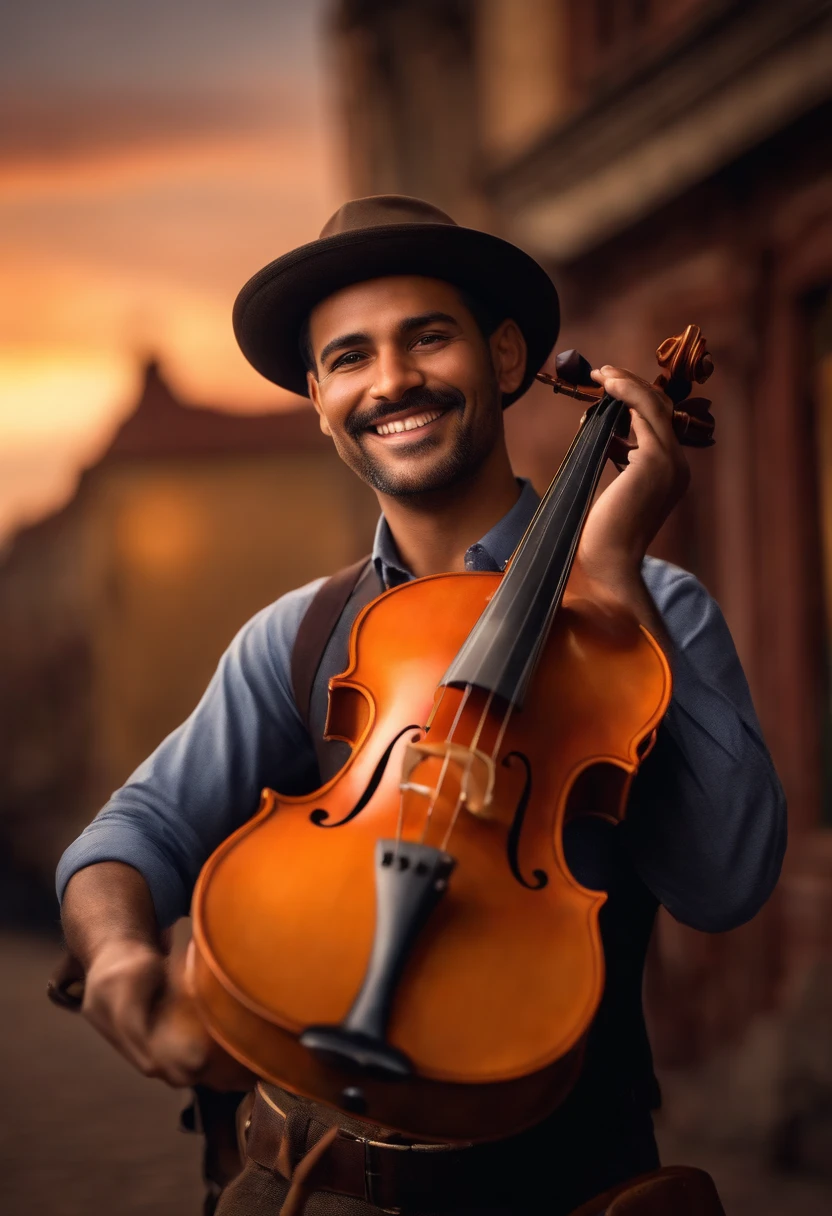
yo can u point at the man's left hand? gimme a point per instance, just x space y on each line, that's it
625 519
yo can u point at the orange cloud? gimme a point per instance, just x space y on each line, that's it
106 255
97 171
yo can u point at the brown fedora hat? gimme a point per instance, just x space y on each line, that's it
386 235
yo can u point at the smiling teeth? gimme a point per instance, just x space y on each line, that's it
406 424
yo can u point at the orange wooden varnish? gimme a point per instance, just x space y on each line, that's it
498 995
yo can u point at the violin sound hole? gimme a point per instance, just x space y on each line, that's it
540 877
320 815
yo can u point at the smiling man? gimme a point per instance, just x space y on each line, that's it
411 335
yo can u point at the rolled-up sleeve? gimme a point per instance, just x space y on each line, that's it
204 780
706 827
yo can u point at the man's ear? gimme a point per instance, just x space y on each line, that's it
508 354
315 394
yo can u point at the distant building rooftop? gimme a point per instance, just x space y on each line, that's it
161 426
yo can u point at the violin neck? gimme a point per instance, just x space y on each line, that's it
501 652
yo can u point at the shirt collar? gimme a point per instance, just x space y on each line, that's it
491 552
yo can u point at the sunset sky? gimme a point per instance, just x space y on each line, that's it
152 156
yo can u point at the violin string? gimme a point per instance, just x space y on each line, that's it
469 688
495 751
399 826
467 773
556 498
455 813
591 428
400 822
533 656
482 720
589 432
435 710
593 425
501 733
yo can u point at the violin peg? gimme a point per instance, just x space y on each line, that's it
676 388
572 367
570 373
694 425
699 407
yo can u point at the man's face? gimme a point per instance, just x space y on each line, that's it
406 383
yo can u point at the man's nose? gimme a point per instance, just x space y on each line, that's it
395 371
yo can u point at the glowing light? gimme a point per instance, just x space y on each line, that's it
161 531
62 394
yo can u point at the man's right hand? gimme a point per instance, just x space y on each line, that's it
130 1000
133 993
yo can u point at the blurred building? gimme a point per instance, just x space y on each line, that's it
115 610
670 162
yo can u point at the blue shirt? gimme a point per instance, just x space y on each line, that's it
705 831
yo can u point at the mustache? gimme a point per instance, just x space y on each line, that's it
414 398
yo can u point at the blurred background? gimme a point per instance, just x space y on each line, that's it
669 161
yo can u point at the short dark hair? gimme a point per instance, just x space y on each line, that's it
486 316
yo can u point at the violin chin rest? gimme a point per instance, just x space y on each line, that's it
356 1052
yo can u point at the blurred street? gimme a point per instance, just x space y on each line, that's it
82 1133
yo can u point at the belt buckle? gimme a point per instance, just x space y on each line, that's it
371 1176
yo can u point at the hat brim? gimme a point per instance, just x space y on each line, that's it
272 307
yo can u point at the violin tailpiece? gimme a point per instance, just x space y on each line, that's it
410 881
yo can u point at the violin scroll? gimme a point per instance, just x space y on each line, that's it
684 358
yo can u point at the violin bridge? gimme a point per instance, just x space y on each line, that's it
473 769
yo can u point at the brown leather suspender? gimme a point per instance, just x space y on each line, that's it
316 628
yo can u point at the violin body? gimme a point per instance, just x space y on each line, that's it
494 995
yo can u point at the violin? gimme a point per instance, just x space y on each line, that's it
407 943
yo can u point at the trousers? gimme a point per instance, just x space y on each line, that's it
258 1191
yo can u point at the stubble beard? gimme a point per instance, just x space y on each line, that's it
466 456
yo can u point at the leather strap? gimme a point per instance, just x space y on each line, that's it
399 1177
316 628
386 1175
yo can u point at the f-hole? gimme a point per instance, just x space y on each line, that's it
540 877
320 815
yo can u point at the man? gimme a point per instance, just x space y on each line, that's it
411 335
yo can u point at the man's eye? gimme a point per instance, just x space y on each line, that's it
348 360
429 339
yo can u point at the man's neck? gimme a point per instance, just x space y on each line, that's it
433 531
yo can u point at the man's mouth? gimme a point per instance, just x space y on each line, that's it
412 423
420 410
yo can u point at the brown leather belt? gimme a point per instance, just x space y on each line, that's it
387 1176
